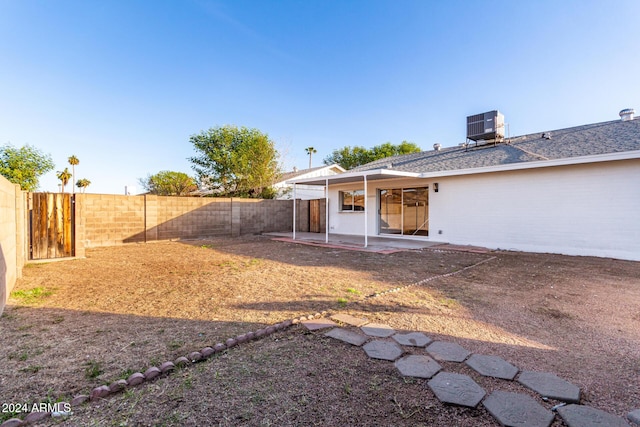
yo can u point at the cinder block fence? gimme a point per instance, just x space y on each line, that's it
12 237
107 220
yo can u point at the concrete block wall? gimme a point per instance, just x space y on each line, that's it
107 220
190 217
12 237
263 216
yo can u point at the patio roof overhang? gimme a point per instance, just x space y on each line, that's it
347 177
362 176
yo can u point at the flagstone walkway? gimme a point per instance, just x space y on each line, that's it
382 342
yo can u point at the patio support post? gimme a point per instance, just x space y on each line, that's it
366 213
294 211
326 211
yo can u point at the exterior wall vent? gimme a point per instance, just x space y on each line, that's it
627 114
487 126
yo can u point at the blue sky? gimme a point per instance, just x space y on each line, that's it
122 84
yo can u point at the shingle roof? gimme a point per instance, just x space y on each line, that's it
599 138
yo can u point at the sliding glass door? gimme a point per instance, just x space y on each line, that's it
415 211
390 212
404 211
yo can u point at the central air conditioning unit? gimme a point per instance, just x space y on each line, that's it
487 126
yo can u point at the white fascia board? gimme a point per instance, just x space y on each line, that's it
391 173
308 181
596 158
354 176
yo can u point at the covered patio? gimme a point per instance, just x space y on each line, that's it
376 243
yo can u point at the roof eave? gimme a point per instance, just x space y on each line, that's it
595 158
348 177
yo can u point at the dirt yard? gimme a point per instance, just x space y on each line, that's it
74 325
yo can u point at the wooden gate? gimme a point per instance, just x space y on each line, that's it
315 215
51 223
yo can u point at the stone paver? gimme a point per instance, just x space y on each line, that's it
414 339
378 330
550 385
349 320
347 336
316 324
385 350
586 416
417 366
515 410
456 389
447 351
509 409
634 416
492 366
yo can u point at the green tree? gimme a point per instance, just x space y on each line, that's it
24 166
64 177
169 183
351 157
83 184
236 162
73 161
310 151
389 150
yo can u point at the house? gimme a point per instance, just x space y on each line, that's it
572 191
305 192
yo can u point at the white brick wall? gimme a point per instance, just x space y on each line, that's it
591 209
575 210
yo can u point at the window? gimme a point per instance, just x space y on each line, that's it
352 200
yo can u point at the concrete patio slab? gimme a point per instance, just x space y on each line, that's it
414 339
550 385
456 389
316 324
349 320
417 366
384 350
586 416
516 410
378 330
492 366
376 244
447 351
347 336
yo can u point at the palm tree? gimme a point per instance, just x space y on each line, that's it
310 151
83 184
73 161
64 177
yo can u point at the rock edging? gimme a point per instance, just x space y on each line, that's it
153 372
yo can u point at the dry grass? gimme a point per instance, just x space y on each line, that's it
74 325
